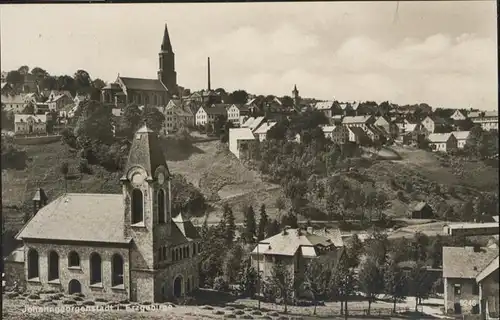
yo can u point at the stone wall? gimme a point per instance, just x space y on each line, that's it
36 140
82 273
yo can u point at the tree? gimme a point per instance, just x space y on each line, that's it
39 73
280 205
316 279
273 228
64 171
467 211
66 83
370 280
130 120
83 166
15 78
342 284
82 81
418 285
249 224
378 247
229 225
355 249
94 123
24 70
238 97
282 282
420 243
436 251
232 262
394 282
153 117
248 279
263 223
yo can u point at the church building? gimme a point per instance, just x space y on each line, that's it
154 92
115 246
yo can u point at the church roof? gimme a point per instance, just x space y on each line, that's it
185 226
166 45
79 217
143 84
146 151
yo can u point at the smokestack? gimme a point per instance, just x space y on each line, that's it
208 60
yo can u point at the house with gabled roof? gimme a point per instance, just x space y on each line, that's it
358 121
295 248
261 131
154 92
208 115
443 142
115 246
458 115
327 107
177 114
434 124
470 276
488 120
461 137
239 138
28 124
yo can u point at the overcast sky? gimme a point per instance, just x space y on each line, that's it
443 53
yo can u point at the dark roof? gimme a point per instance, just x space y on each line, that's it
146 151
79 217
215 110
166 45
186 227
143 84
40 195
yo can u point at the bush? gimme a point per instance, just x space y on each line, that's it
219 312
88 303
68 302
101 300
220 284
34 296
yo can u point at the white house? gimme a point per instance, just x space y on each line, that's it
443 142
261 132
488 120
30 124
357 121
326 107
239 139
233 114
206 115
382 122
458 115
432 123
461 137
58 102
177 114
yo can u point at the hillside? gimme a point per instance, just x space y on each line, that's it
224 179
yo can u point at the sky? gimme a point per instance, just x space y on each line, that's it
443 53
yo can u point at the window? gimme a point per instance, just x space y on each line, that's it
194 249
475 288
73 259
53 266
32 264
95 269
137 206
457 289
117 270
174 258
161 206
187 252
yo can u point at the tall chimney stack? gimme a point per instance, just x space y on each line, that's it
208 74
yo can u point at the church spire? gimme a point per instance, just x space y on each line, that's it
166 45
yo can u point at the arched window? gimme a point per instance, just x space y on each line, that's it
95 268
73 259
116 270
53 266
32 264
161 206
137 206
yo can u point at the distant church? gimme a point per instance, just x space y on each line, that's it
114 246
155 92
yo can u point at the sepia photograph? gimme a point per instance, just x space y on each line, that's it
257 160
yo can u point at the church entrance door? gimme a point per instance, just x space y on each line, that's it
74 286
178 286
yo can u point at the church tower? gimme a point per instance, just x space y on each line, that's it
147 208
296 97
166 73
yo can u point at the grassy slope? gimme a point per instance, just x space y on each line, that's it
222 178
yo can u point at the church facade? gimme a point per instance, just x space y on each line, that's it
115 246
154 92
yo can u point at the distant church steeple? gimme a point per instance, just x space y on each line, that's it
296 97
166 72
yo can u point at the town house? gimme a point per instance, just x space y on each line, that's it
58 102
443 142
261 132
338 134
358 121
470 277
461 137
488 120
434 124
208 115
327 107
115 246
458 115
27 124
239 138
177 114
295 248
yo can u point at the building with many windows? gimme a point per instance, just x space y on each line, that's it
115 246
